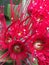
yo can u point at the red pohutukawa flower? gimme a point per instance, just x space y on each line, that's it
2 26
39 11
28 37
18 51
15 40
39 46
41 6
39 15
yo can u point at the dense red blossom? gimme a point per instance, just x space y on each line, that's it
30 36
39 46
15 36
2 29
39 11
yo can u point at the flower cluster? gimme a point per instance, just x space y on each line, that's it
39 12
27 38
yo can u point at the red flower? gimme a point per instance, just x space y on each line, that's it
2 29
28 36
38 6
18 51
40 49
15 41
39 16
42 28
